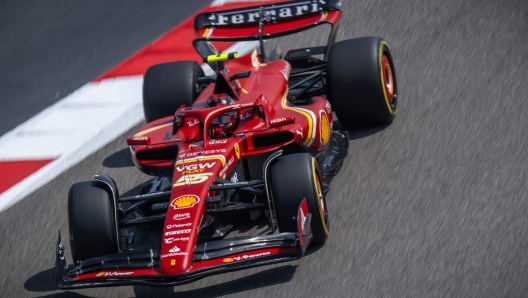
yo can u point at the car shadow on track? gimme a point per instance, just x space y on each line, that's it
45 282
119 159
359 133
266 278
42 282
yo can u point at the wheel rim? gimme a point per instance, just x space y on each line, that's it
388 79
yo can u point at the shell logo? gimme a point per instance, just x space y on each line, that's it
99 274
325 129
186 201
228 260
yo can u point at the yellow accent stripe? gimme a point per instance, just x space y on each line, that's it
324 16
317 197
383 43
199 159
307 115
206 32
142 133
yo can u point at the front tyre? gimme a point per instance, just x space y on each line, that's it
293 178
91 221
362 82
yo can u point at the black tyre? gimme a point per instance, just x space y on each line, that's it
167 86
293 178
362 82
91 220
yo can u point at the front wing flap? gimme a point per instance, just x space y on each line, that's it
141 268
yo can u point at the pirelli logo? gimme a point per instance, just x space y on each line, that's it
274 12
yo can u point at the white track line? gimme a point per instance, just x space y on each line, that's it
77 126
71 130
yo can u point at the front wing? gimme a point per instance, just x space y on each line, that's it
141 268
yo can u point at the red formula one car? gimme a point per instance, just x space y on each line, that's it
256 139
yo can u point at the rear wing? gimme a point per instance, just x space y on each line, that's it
281 18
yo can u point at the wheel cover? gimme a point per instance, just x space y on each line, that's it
388 79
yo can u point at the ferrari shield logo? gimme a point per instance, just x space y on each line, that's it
237 151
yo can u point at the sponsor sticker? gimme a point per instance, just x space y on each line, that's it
218 141
246 257
174 249
181 216
303 220
186 201
197 168
278 120
170 240
114 273
177 232
173 254
273 13
206 152
299 132
193 123
245 116
179 225
223 171
228 260
325 128
234 179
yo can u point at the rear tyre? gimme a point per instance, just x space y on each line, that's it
91 220
167 86
362 82
293 178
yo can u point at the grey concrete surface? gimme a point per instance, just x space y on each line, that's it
48 49
434 205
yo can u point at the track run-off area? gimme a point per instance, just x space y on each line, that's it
434 205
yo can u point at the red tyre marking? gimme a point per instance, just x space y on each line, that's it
388 80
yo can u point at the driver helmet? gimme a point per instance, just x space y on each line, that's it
223 125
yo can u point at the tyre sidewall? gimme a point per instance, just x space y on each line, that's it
356 83
292 180
91 221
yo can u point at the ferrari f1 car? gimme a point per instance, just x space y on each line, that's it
257 139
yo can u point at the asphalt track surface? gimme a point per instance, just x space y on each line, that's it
434 205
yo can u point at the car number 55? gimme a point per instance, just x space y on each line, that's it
192 179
